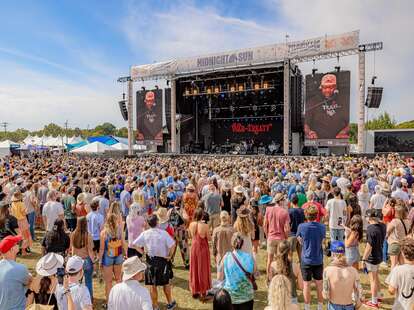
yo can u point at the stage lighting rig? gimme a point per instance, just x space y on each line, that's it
338 68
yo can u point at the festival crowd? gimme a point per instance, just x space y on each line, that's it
322 222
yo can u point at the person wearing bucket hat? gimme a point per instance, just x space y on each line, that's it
265 200
75 290
276 227
341 291
130 294
14 277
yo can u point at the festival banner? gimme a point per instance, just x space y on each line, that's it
236 131
327 109
149 117
272 53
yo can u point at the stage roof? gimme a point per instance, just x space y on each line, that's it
247 57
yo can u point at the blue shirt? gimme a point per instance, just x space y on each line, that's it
118 188
95 224
312 234
124 198
235 280
103 205
13 278
297 217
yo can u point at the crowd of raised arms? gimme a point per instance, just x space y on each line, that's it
323 224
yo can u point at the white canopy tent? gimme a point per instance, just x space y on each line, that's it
94 147
120 146
5 147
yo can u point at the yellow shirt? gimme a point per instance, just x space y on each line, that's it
18 210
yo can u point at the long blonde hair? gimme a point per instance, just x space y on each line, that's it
243 225
115 208
111 225
279 296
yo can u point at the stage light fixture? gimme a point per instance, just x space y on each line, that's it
143 88
232 88
256 86
156 87
314 70
168 82
338 68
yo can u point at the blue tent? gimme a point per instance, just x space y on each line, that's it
73 146
108 140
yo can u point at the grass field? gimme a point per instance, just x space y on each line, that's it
183 296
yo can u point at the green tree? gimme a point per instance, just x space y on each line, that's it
406 125
353 133
122 132
104 129
383 121
53 130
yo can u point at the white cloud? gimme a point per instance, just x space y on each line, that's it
31 99
184 30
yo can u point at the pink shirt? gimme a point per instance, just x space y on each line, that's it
276 220
135 228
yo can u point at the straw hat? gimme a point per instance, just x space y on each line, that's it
326 179
131 267
49 264
190 187
226 186
243 212
278 197
238 189
162 214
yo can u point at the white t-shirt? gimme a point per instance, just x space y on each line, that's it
52 210
80 296
336 209
157 242
378 201
129 295
402 279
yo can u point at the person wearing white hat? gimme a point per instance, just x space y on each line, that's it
73 292
47 267
130 294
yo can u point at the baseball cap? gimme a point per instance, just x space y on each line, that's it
74 264
7 243
337 247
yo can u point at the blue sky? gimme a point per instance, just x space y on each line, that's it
59 60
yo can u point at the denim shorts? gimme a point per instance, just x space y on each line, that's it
352 255
109 261
340 307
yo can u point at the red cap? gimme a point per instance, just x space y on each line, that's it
7 243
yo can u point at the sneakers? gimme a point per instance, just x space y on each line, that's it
370 304
172 305
384 265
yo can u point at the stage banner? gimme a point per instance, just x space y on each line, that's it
149 117
268 54
327 109
258 131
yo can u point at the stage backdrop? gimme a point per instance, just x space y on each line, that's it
327 109
149 117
